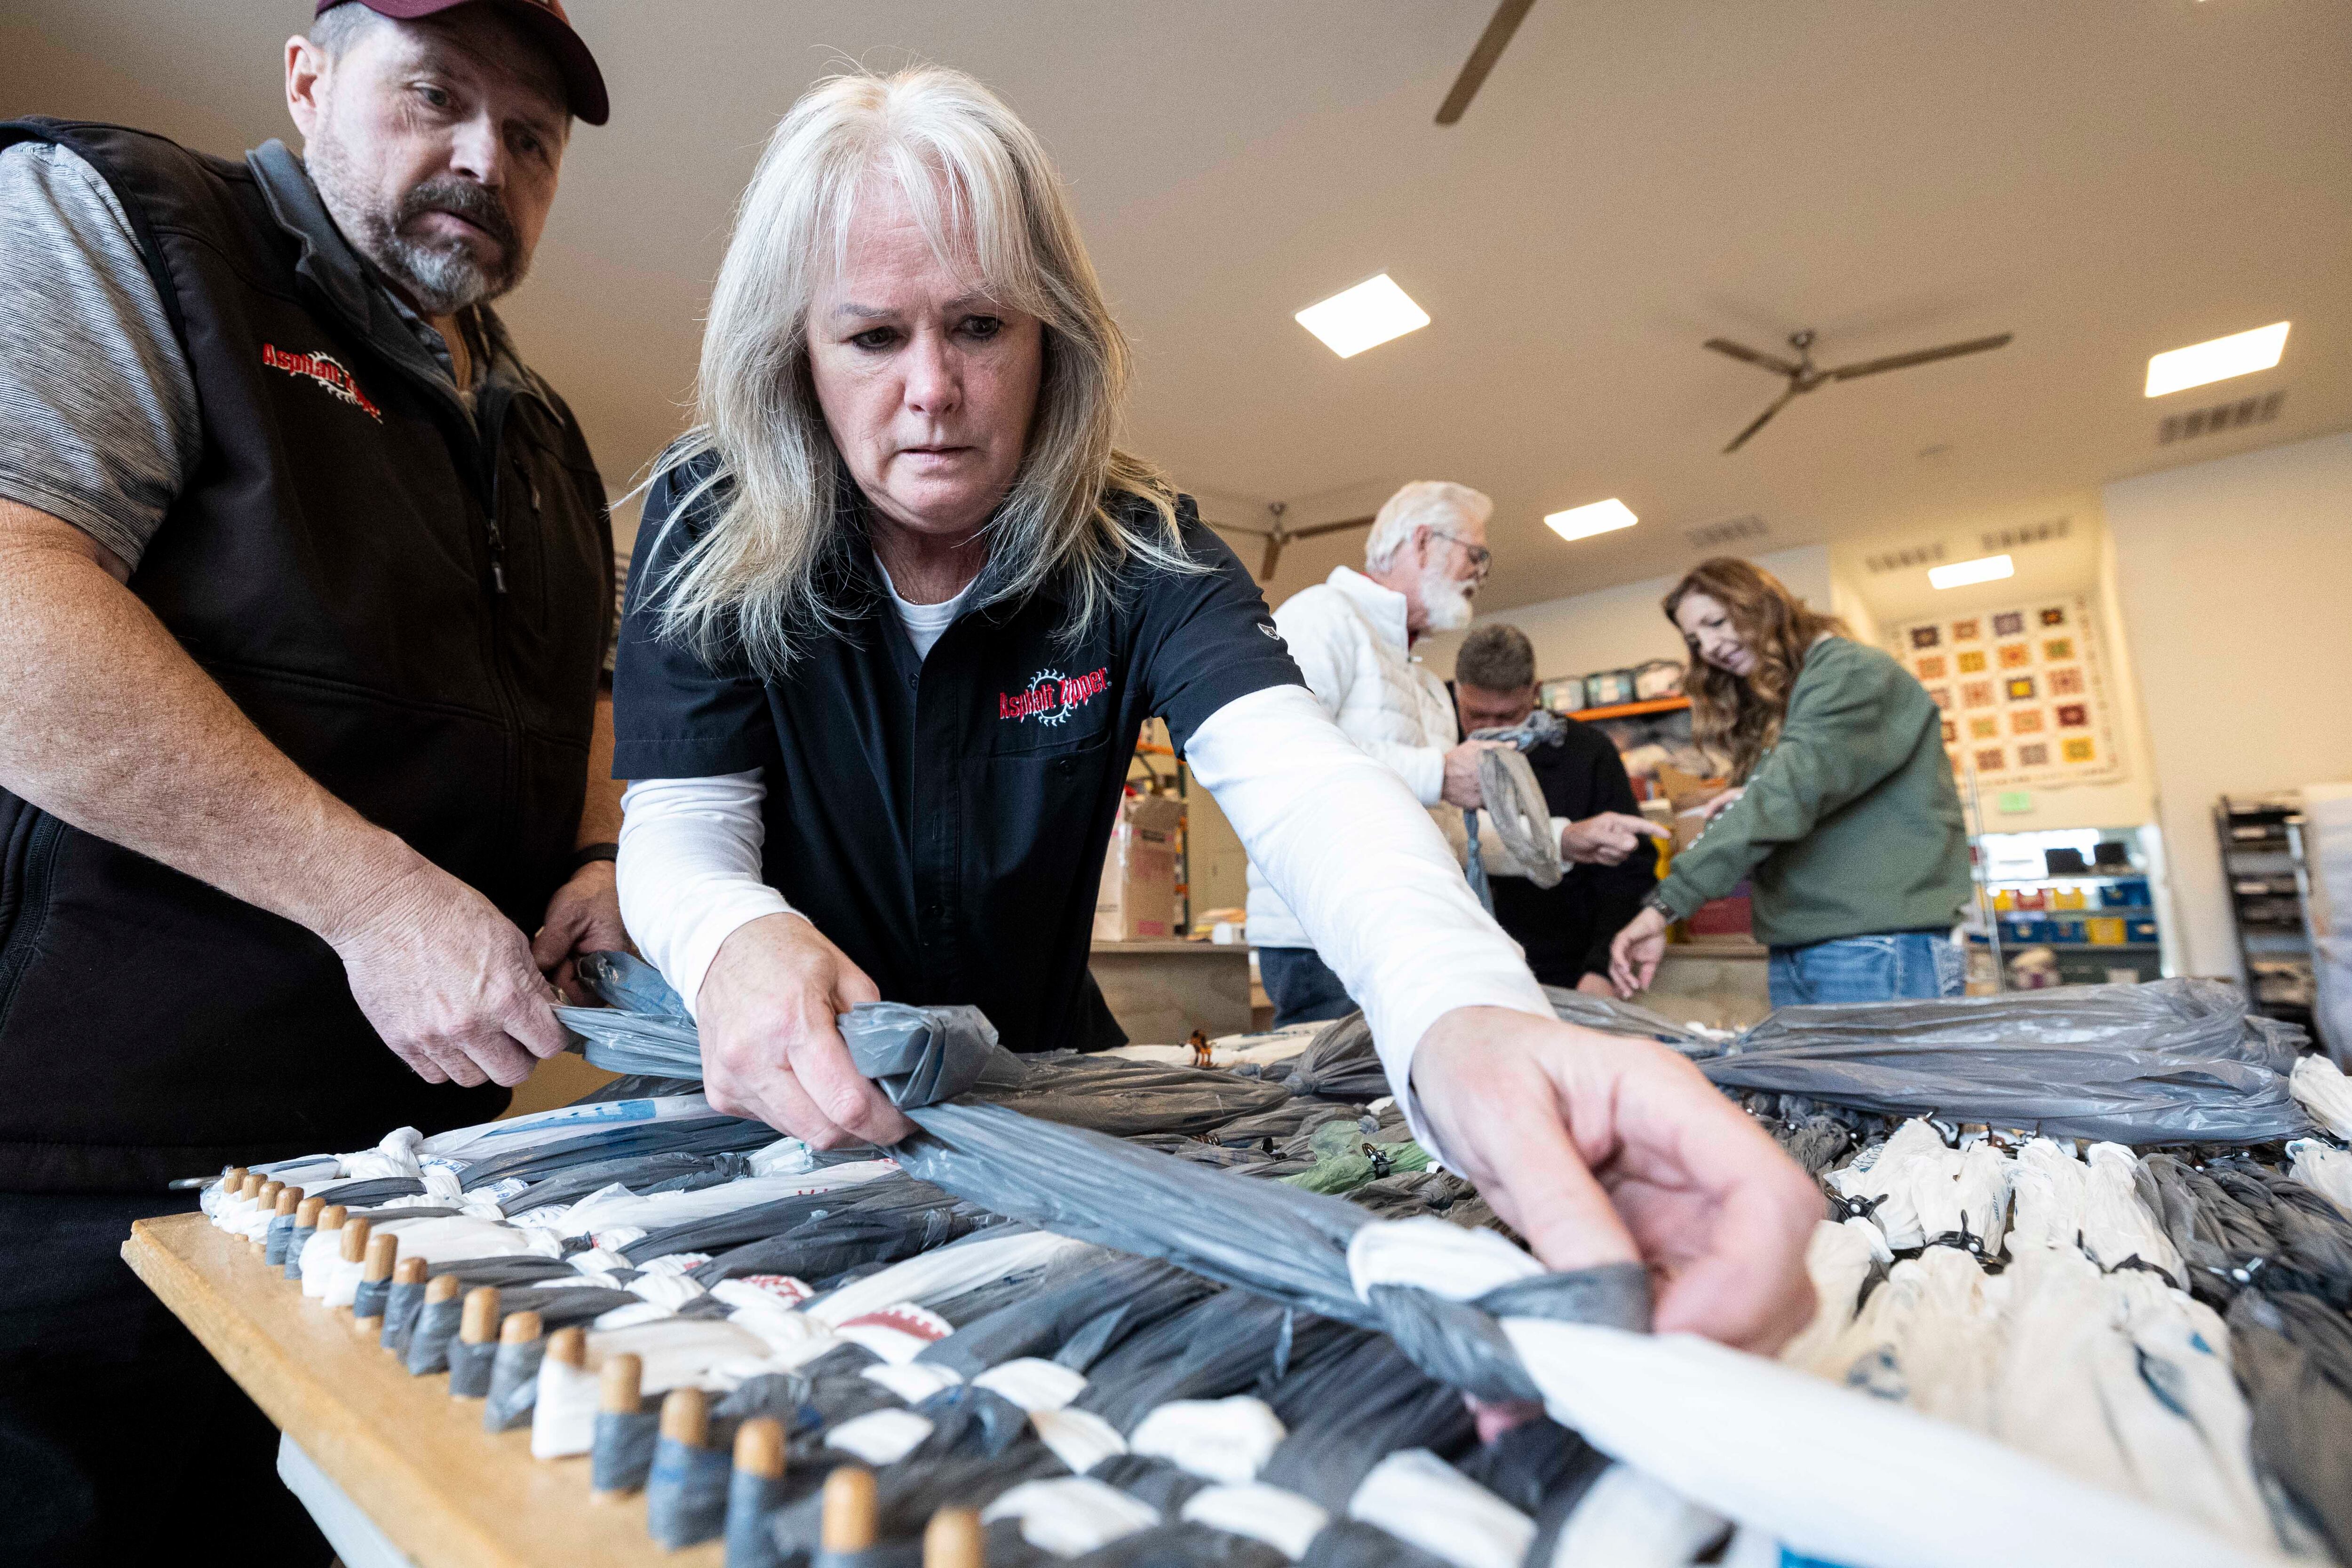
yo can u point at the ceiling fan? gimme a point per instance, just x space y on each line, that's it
1805 375
1280 535
1482 56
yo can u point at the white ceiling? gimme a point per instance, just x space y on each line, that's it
2105 178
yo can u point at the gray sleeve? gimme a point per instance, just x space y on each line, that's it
98 412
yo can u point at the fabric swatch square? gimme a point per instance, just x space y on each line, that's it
1967 631
1984 727
2054 615
2008 623
1976 693
2077 748
2025 721
2034 754
2021 688
1931 668
2054 649
2073 716
2015 655
1951 732
1972 663
2066 683
1927 636
1991 759
1941 696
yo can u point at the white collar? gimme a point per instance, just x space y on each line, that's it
1385 607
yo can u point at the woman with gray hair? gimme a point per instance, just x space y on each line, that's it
901 608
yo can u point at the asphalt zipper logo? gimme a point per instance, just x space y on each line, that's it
327 371
1051 696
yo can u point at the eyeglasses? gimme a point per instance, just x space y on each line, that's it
1482 559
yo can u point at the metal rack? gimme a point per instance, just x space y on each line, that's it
2260 845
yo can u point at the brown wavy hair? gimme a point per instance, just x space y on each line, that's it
1736 718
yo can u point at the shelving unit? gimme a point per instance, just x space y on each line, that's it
2259 842
1632 710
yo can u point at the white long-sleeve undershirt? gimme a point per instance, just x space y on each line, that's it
1341 838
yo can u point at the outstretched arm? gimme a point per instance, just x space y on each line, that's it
1595 1147
116 730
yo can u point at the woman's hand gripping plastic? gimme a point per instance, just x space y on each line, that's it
1600 1149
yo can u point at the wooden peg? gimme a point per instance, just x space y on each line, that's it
953 1540
442 1288
848 1510
685 1417
269 1194
332 1218
569 1347
520 1328
355 1239
290 1199
760 1448
411 1271
307 1212
618 1392
251 1185
479 1324
232 1180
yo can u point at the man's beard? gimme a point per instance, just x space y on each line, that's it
1444 600
440 278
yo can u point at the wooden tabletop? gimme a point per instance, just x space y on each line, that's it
415 1462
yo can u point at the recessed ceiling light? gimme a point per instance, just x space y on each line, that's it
2241 354
1583 522
1361 318
1961 573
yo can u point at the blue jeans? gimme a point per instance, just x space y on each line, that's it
1889 967
1301 985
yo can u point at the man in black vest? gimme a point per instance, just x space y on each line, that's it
1565 928
305 592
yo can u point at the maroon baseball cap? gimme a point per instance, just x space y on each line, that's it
583 84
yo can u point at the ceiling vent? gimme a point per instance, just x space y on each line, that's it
2221 416
1998 540
1908 559
1715 536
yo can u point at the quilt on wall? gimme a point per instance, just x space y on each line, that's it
2022 693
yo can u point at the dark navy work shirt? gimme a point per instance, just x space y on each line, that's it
943 821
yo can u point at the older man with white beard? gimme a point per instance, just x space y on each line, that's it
1352 637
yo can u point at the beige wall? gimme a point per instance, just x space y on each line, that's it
1617 628
2234 582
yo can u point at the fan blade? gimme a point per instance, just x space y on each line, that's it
1772 363
1328 527
1763 419
1919 357
1482 56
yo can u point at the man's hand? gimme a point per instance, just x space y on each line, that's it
1462 775
1607 838
1596 986
770 1045
447 980
584 916
1633 956
1600 1149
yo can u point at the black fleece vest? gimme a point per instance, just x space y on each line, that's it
415 614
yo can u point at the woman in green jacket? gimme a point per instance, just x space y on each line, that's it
1846 821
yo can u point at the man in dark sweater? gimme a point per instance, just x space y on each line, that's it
1566 929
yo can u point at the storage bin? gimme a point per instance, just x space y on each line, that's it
2065 898
2033 898
1565 695
1607 688
2106 930
2140 930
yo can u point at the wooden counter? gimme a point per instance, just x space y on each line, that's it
1162 991
415 1462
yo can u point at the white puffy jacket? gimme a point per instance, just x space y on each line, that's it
1348 634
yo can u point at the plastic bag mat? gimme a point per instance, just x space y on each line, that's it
2170 1061
1516 810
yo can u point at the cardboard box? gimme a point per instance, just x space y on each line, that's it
1138 901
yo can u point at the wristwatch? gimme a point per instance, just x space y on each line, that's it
1659 904
589 854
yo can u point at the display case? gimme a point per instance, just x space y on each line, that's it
2065 908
